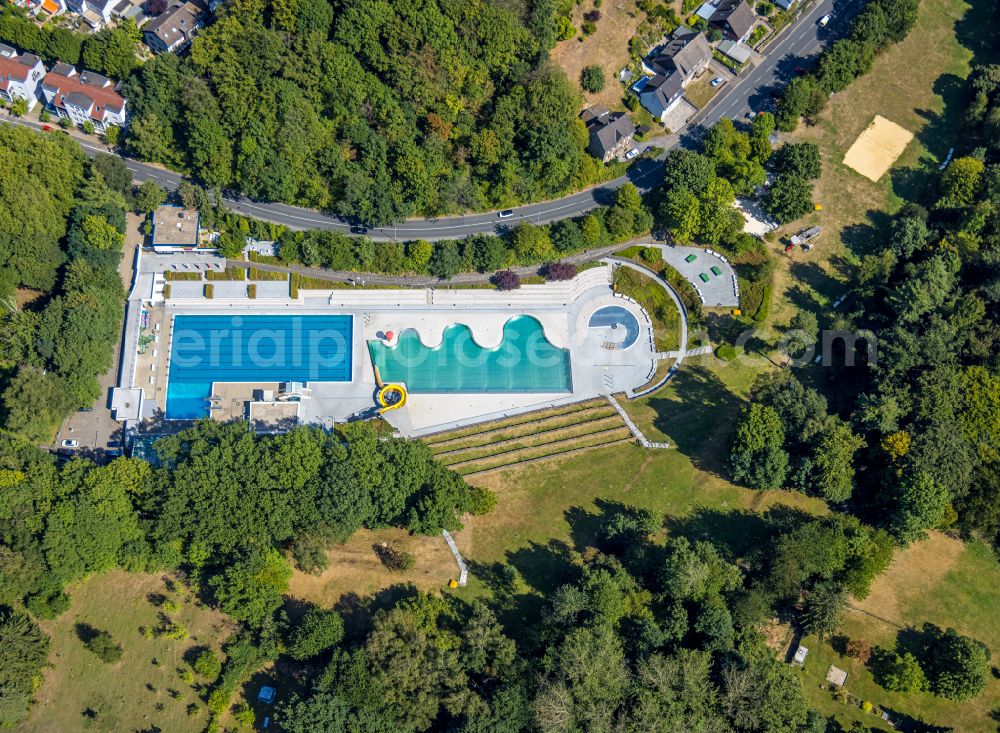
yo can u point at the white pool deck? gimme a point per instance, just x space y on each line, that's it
562 308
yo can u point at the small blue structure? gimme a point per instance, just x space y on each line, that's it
267 694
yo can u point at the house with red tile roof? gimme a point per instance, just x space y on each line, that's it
20 76
83 97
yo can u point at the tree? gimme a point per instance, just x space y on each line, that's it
682 214
824 609
907 235
24 650
446 260
116 174
531 243
251 588
898 672
920 505
960 183
317 631
149 196
798 159
592 78
790 198
687 169
560 271
19 107
757 457
957 666
208 665
803 97
833 461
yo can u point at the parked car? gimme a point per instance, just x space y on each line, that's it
717 81
70 443
359 230
824 21
114 444
801 70
46 128
631 153
113 453
506 214
267 694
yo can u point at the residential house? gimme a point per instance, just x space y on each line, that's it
175 229
610 134
20 76
83 97
735 18
683 57
96 13
173 29
785 4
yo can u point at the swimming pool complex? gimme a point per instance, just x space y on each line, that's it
255 348
524 361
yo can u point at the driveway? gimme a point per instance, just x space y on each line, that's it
93 428
719 290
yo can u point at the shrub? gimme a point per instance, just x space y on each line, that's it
559 271
859 649
726 352
293 286
481 501
592 78
101 644
48 604
209 291
649 255
507 280
166 291
252 290
244 714
395 560
88 127
588 27
592 15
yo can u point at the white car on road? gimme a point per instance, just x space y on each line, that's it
717 81
823 21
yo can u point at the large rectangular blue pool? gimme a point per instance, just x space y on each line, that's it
255 348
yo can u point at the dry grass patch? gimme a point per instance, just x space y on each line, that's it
356 569
607 47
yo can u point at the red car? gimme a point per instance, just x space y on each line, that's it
46 128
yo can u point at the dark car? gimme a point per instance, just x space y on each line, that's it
359 230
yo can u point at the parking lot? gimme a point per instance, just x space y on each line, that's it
693 262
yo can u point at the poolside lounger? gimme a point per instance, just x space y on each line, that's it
703 276
716 271
691 258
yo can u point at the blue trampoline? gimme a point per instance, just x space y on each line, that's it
615 317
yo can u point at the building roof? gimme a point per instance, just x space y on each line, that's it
737 14
177 23
175 226
14 67
87 90
684 54
610 130
664 87
591 114
736 51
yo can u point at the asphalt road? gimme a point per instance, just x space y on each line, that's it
749 91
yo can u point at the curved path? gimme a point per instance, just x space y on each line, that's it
682 346
752 89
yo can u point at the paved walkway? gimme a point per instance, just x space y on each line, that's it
643 441
463 577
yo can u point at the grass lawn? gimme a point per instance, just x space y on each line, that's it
701 92
123 696
911 84
664 314
940 580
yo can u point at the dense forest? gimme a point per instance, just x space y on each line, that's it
61 237
221 508
375 110
907 439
